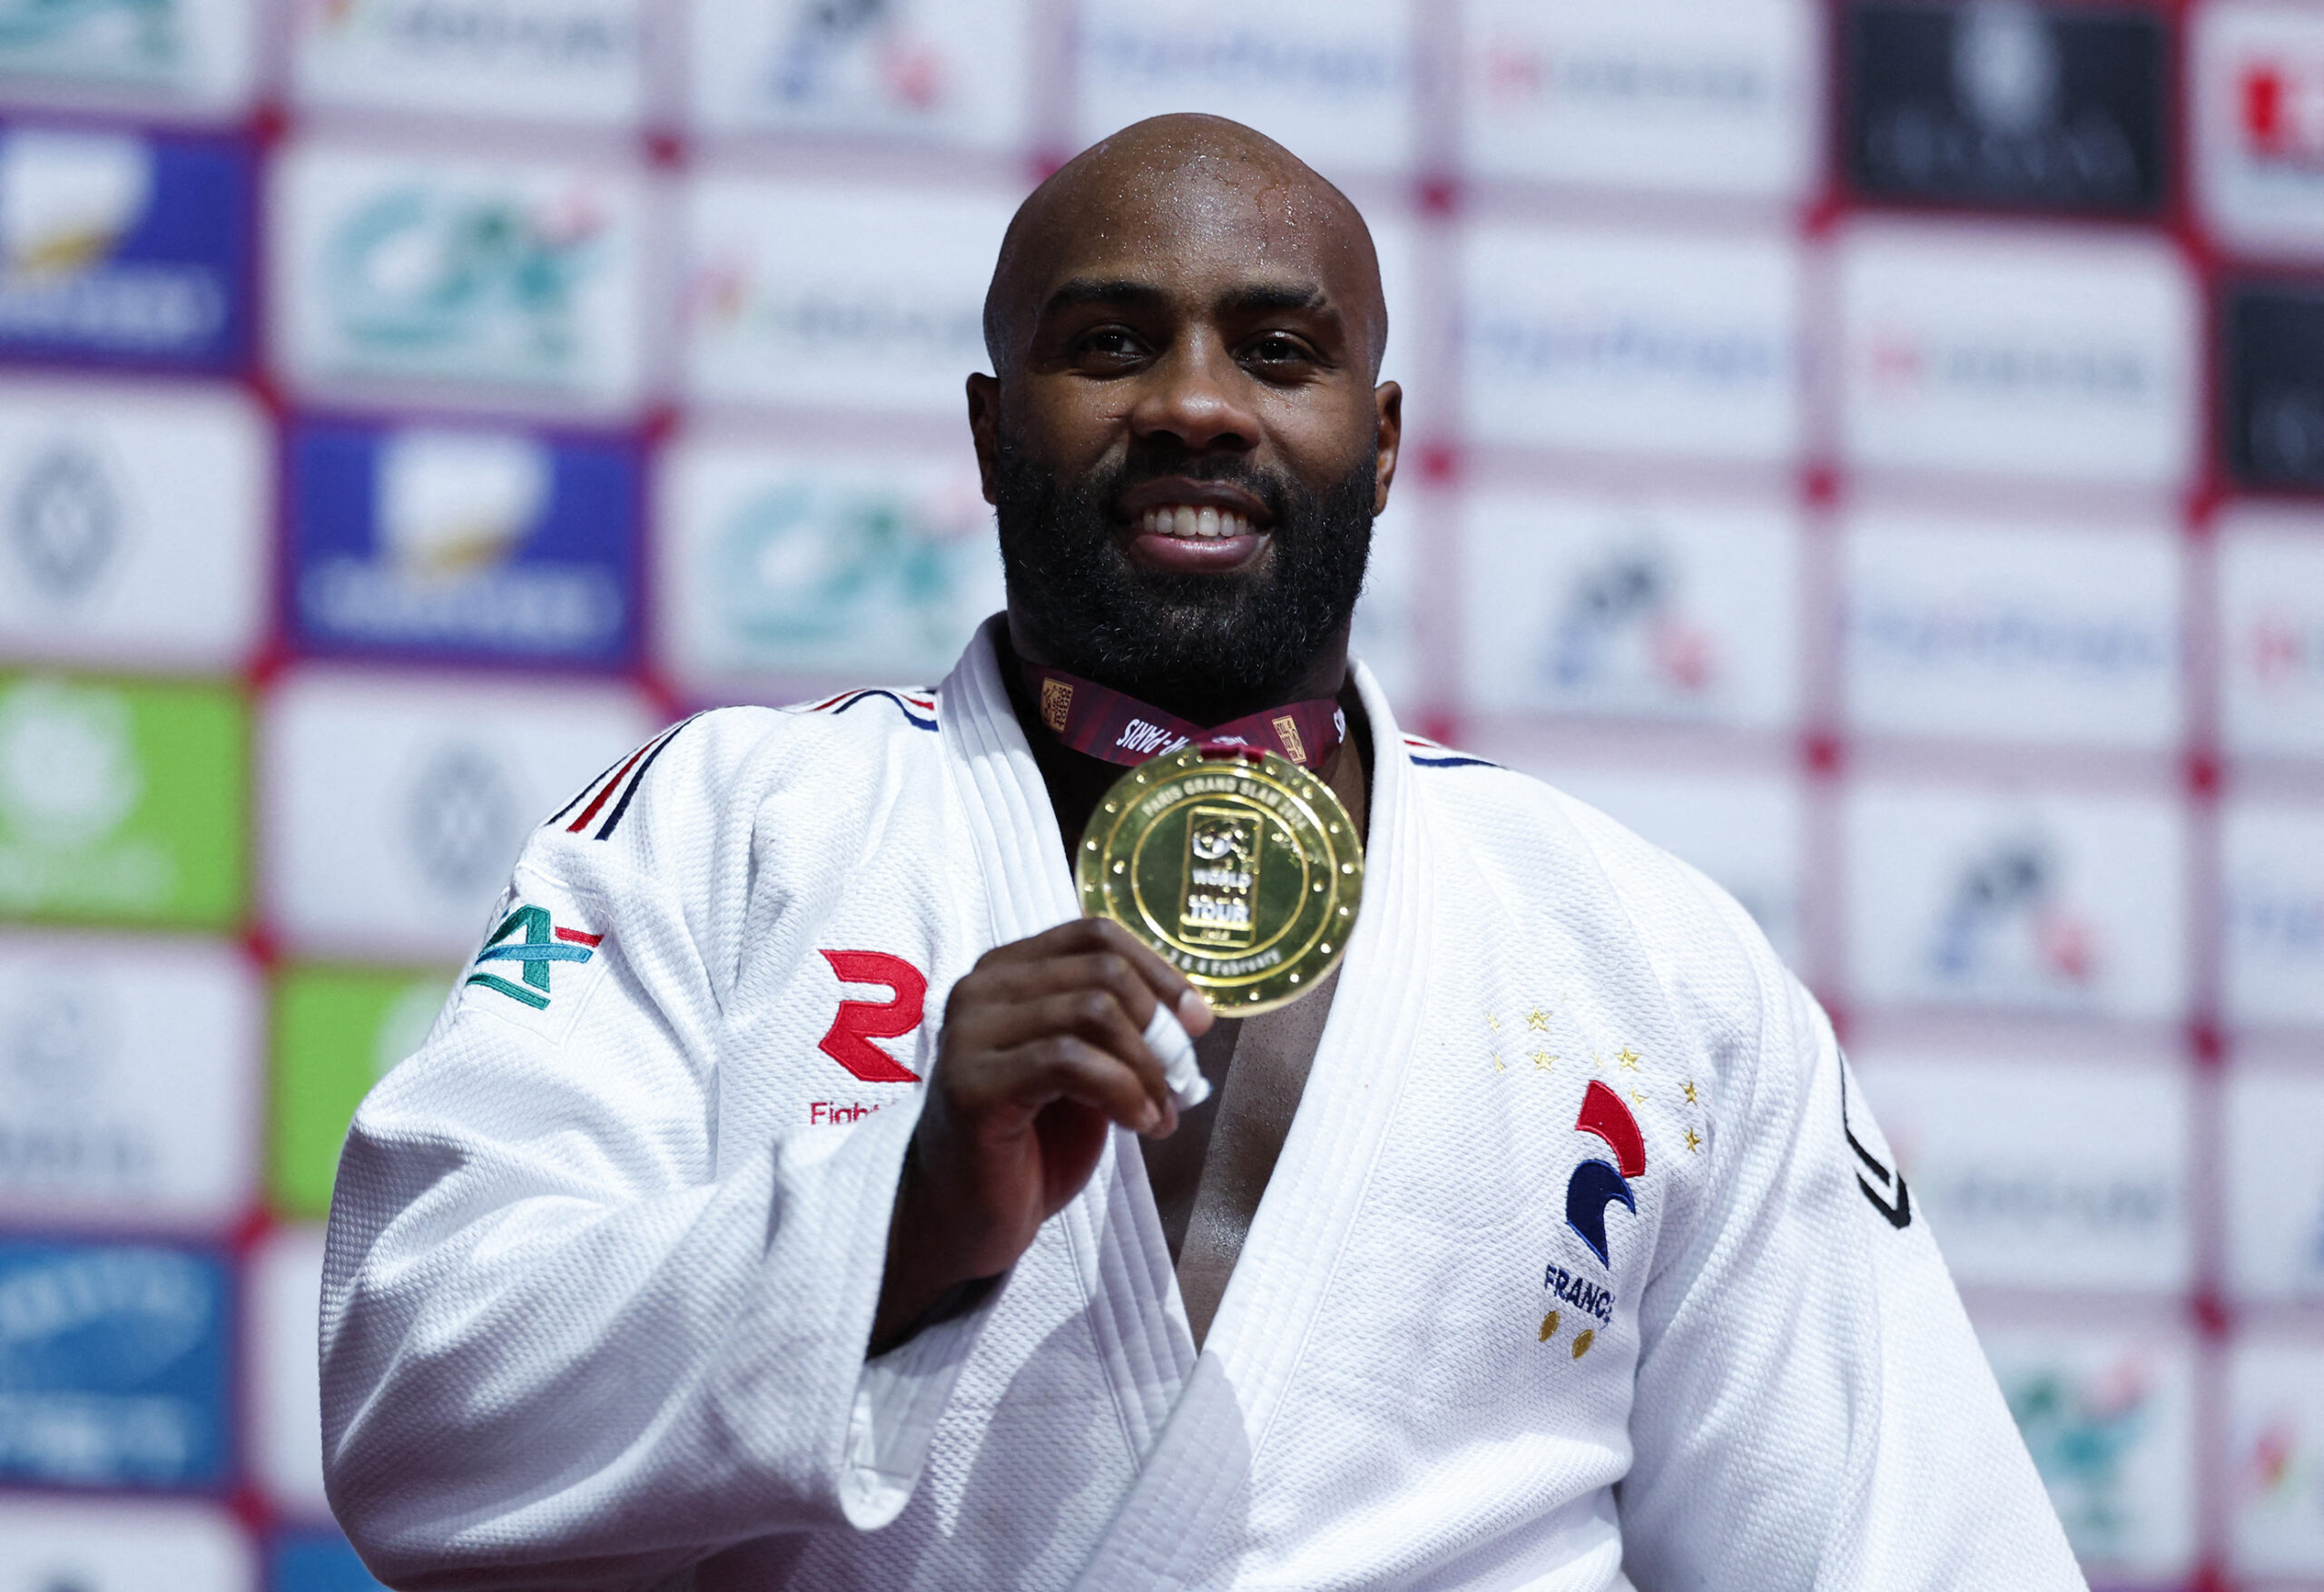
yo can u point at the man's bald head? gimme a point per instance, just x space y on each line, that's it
1171 184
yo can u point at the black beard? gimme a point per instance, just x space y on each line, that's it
1208 648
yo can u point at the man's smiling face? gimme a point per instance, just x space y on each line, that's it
1184 442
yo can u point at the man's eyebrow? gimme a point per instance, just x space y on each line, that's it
1260 297
1079 290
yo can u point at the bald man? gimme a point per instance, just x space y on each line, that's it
789 1196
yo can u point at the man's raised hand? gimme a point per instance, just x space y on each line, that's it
1042 1049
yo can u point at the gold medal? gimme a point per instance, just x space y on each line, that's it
1241 869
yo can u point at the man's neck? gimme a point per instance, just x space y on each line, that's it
1324 676
1077 781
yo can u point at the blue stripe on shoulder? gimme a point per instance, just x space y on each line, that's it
1453 763
911 718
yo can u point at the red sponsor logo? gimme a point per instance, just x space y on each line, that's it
2280 106
860 1022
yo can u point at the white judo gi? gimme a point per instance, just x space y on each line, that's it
604 1255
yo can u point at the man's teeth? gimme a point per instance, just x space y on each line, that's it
1182 521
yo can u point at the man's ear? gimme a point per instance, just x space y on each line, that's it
984 428
1388 437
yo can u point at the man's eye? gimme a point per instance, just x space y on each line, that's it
1110 343
1277 349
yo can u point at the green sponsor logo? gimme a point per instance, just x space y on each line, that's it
337 1031
121 801
137 41
543 942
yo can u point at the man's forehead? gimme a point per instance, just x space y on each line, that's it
1205 219
1190 208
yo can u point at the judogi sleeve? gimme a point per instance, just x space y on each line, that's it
564 1343
1811 1407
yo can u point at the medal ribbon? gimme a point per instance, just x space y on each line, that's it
1105 723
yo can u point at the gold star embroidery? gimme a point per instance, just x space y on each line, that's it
1538 1020
1543 1061
1493 1022
1597 1061
1694 1141
1636 1098
1690 1093
1496 1063
1629 1058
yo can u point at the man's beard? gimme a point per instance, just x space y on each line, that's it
1208 646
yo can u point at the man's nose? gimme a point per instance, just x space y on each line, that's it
1195 395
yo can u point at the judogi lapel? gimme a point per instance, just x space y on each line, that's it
1185 1515
1110 1232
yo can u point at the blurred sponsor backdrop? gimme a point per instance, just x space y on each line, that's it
1875 449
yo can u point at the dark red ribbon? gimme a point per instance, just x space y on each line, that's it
1105 723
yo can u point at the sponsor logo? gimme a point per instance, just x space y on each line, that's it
69 769
837 1113
1900 361
529 940
2065 360
423 279
112 1365
732 298
2275 357
1240 54
1632 342
2277 1474
112 248
93 824
1630 347
802 574
461 821
2258 75
2273 919
123 1081
463 541
2280 112
1622 631
1653 96
58 1053
858 1023
866 54
2057 1205
65 522
2006 929
2001 102
2284 652
1518 72
494 34
2013 638
2084 1430
105 41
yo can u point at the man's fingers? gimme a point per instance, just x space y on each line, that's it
1066 1067
1166 981
1084 936
1092 1014
1103 970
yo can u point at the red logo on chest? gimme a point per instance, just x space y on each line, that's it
859 1022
